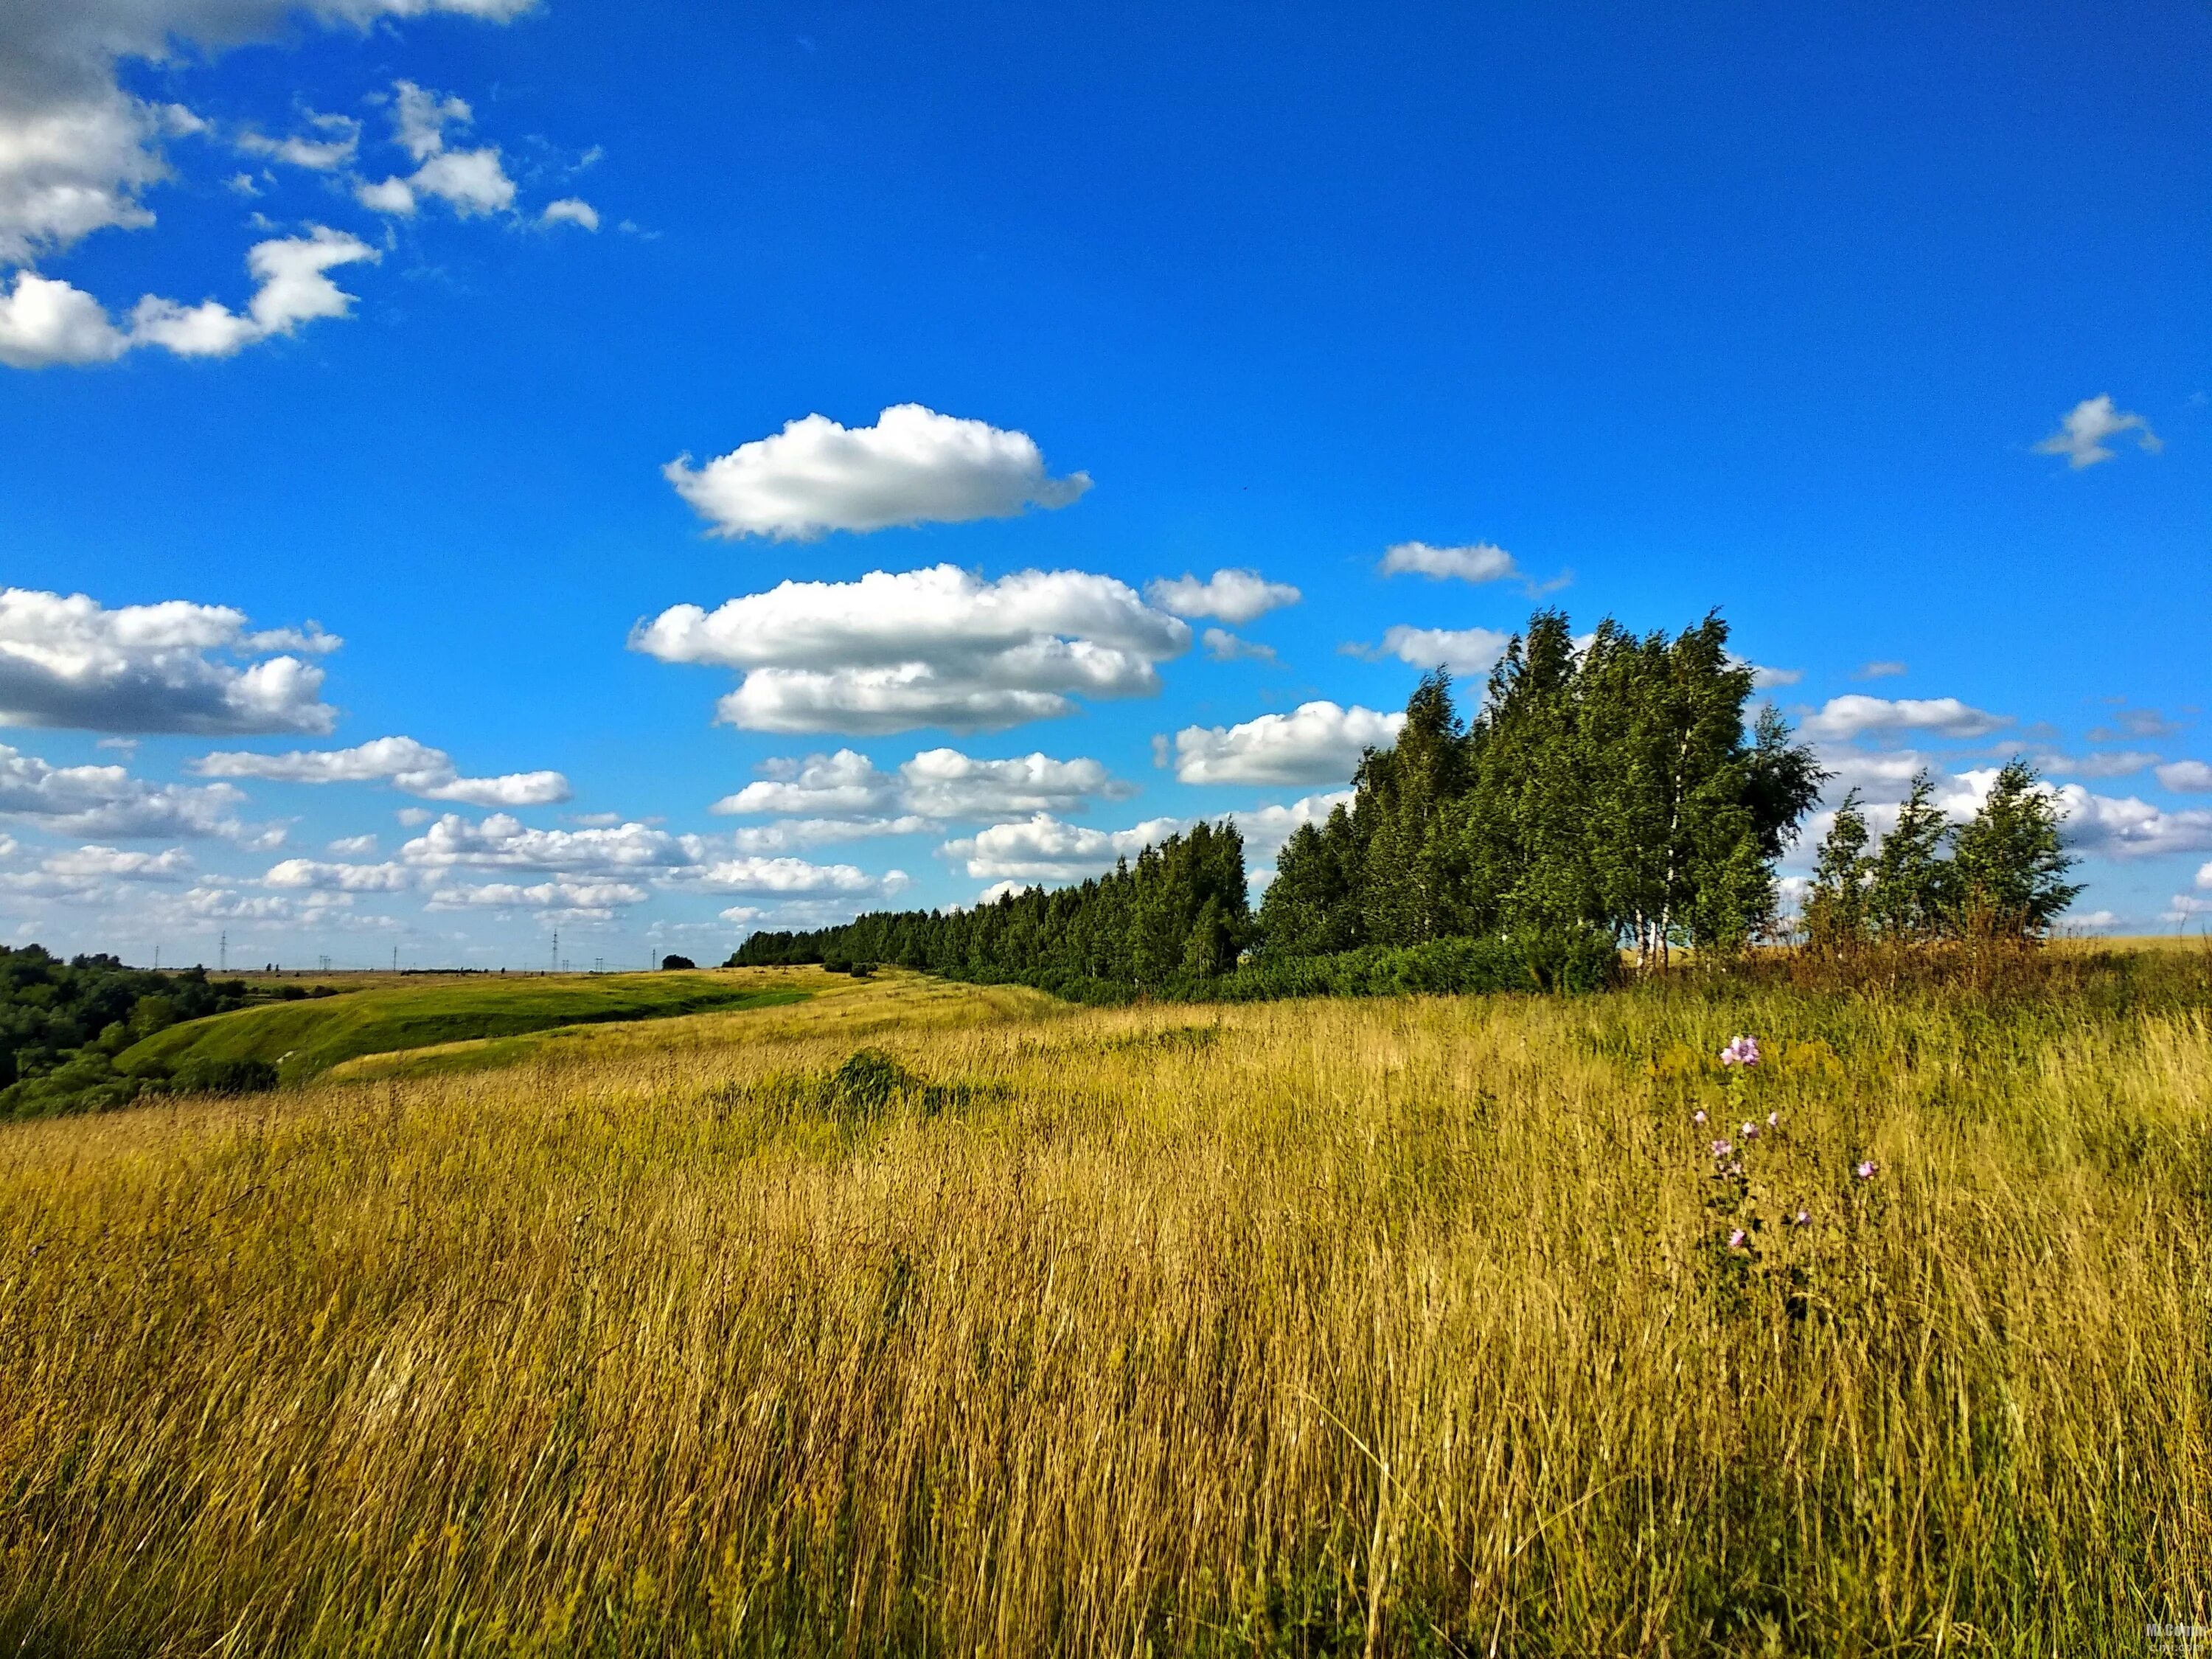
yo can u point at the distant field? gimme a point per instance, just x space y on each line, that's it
925 1318
304 1039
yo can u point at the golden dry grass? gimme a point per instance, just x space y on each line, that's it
1394 1327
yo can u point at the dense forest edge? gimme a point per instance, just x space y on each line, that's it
1612 802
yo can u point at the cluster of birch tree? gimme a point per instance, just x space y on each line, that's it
1618 785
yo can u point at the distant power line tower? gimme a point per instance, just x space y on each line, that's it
556 967
395 958
222 951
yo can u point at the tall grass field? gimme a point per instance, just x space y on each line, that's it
916 1317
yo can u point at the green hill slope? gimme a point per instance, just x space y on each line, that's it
303 1039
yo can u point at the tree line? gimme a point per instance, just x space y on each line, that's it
1616 794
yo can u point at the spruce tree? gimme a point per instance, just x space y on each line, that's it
2008 866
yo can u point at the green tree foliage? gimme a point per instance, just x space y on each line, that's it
62 1024
1179 913
1908 888
1612 790
2001 874
2009 867
1609 793
1836 909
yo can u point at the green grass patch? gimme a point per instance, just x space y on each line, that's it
304 1039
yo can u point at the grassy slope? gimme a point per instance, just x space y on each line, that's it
1320 1328
304 1039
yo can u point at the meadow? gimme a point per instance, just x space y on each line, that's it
925 1317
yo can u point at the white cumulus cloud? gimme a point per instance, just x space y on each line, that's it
470 181
940 646
79 153
1856 716
505 842
320 876
1481 562
68 661
570 210
2082 433
1042 848
44 323
412 768
1462 650
795 876
2186 777
107 800
1316 742
1235 596
913 466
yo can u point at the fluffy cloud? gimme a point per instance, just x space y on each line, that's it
2082 431
502 841
412 768
796 835
795 876
2105 826
2186 776
845 784
1856 716
939 646
1317 742
1044 849
943 783
1462 650
1235 596
470 181
1483 561
1763 679
913 466
570 210
590 899
311 874
78 152
69 662
44 323
107 800
844 797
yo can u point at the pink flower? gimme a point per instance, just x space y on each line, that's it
1869 1169
1698 1116
1749 1130
1774 1119
1803 1218
1736 1239
1741 1051
1722 1149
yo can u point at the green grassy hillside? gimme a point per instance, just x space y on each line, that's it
304 1039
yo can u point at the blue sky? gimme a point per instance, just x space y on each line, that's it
1636 312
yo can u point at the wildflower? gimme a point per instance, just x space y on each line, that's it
1736 1169
1869 1169
1742 1051
1749 1130
1803 1218
1698 1116
1736 1239
1722 1148
1774 1119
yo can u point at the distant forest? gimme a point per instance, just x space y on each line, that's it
1615 796
1617 793
63 1025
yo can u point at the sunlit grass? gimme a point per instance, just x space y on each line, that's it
1316 1327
